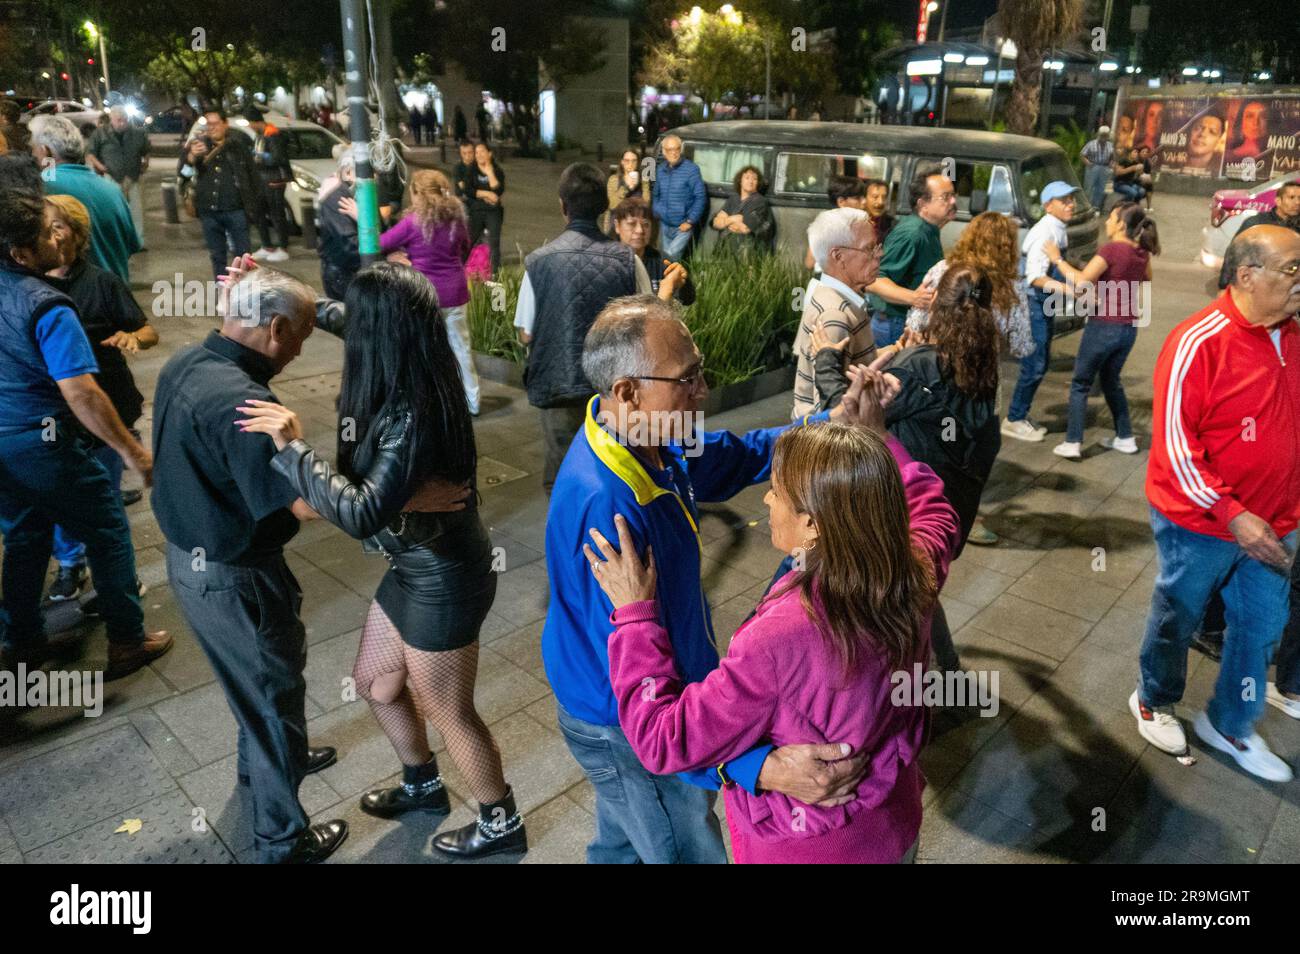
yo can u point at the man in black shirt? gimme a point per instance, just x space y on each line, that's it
227 516
219 164
1285 212
272 174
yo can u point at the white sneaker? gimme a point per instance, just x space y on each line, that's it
1069 449
1022 431
1252 754
1125 445
278 255
1159 726
1280 700
261 254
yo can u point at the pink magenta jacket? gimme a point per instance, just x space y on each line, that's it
781 682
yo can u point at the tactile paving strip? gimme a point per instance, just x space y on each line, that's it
166 836
69 788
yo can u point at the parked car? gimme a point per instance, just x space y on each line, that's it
85 117
996 172
1229 209
311 155
171 120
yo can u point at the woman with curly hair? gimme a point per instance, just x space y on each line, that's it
745 220
946 411
435 238
991 244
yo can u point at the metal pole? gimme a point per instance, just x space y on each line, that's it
943 18
103 59
767 93
1096 69
997 71
354 74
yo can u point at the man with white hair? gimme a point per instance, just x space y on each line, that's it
121 152
58 147
844 241
1098 156
227 515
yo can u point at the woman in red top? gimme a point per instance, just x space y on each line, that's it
1113 289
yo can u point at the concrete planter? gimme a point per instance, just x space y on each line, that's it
720 399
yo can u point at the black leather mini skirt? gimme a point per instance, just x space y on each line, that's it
438 591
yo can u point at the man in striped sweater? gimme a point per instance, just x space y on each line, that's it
1223 481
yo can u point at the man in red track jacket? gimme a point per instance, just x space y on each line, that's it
1223 481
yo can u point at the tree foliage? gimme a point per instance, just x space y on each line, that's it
1036 27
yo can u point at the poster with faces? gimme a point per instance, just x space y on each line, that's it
1247 152
1191 140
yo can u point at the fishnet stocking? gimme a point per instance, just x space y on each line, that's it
443 687
437 686
381 658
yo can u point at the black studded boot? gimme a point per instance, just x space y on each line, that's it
421 791
499 828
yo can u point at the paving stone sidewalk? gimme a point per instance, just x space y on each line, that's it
1030 784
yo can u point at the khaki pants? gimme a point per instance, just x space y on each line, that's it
131 189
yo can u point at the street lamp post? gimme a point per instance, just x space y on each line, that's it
767 93
96 33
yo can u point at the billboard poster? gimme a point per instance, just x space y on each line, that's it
1191 139
1243 138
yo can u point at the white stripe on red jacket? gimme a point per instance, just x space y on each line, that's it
1226 423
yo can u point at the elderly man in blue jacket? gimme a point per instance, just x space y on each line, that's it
679 200
639 454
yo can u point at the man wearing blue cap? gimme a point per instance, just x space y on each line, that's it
1043 280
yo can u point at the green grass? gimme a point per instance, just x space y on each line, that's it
743 319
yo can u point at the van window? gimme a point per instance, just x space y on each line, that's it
993 178
806 173
1037 172
719 163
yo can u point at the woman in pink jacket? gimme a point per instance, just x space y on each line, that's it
874 536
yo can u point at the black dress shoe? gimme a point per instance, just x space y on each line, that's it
322 757
1211 644
317 759
318 842
391 802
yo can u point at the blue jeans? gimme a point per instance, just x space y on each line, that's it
1103 349
886 330
43 483
1130 190
1033 366
226 235
674 244
68 550
640 817
1094 183
1193 566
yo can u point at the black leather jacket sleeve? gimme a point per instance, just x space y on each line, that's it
331 316
832 382
358 509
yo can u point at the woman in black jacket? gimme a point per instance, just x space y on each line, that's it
340 258
945 409
403 421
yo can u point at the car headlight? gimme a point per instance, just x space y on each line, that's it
306 181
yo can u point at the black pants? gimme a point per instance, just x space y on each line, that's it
59 481
246 620
481 217
272 218
559 425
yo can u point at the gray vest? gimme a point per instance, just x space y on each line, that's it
572 278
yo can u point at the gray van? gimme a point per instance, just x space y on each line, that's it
998 172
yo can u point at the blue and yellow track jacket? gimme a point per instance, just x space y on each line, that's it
599 478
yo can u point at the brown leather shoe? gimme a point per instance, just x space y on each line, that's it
124 660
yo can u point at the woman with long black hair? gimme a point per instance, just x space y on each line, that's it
403 422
